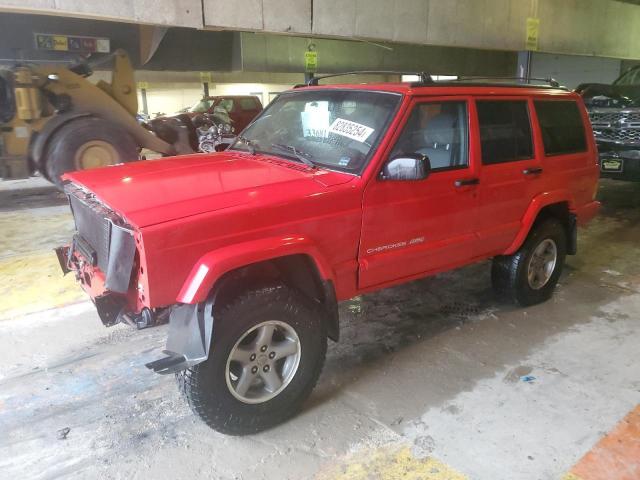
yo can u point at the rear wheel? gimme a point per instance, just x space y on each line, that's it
530 275
87 143
266 355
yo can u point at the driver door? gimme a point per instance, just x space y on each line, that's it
415 227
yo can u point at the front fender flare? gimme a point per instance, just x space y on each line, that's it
537 204
213 265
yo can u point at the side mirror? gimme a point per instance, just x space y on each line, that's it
412 166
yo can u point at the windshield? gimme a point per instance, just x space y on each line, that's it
631 77
337 129
201 106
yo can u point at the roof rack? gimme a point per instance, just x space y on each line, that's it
425 78
552 82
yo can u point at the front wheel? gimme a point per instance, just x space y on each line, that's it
530 275
266 355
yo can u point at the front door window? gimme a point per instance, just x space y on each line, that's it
438 130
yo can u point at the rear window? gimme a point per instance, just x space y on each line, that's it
561 126
505 131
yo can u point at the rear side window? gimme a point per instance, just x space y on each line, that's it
505 130
561 126
248 104
226 103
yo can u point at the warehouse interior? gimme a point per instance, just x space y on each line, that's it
183 174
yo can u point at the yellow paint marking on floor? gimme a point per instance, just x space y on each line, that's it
390 463
571 476
37 230
34 282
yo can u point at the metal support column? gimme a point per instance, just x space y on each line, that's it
524 65
145 106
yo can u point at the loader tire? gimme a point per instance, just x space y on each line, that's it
85 143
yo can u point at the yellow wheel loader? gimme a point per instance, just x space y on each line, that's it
53 120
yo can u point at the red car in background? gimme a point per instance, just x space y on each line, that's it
241 108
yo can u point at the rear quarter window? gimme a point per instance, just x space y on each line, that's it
505 131
561 126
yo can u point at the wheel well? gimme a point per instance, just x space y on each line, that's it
560 211
296 271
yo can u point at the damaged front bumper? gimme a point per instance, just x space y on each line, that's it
190 326
112 306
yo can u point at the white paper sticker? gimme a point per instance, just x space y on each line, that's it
353 130
315 123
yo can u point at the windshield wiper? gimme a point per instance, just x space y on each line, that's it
299 154
250 145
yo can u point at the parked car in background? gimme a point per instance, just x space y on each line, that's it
334 192
615 117
229 114
240 108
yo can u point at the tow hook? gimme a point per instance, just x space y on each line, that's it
144 319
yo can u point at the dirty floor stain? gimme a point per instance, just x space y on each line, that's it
428 380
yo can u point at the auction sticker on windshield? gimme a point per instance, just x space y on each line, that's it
353 130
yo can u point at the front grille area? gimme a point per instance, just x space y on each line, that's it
616 126
93 222
613 117
93 228
104 238
623 136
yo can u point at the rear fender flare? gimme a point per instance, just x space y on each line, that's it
537 204
213 265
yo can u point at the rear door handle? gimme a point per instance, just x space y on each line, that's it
532 171
465 182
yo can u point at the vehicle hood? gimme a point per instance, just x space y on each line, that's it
156 191
598 95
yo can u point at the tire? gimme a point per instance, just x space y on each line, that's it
209 386
510 274
87 143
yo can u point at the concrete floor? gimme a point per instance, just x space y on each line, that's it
432 380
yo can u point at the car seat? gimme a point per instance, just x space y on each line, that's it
439 136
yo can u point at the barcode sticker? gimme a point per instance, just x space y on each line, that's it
353 130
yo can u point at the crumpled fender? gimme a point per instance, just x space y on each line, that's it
211 266
537 204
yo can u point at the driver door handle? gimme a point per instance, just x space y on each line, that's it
465 182
533 171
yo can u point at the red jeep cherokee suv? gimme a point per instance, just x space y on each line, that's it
331 192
